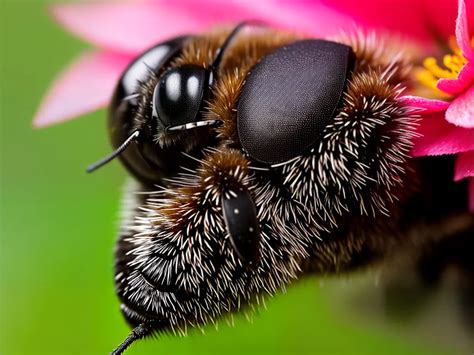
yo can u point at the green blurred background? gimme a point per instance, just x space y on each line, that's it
58 228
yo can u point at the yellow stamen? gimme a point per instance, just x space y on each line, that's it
426 78
453 63
431 72
431 65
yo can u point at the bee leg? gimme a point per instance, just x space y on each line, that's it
137 333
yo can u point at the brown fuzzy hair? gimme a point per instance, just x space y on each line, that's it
246 50
374 53
322 206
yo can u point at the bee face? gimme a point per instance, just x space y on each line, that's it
291 143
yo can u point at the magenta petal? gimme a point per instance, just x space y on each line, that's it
311 17
306 16
461 110
426 105
461 83
439 137
421 19
86 85
464 166
462 31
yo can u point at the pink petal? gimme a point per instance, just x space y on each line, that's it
425 105
471 195
423 20
311 17
125 27
461 83
462 31
464 166
306 16
439 17
133 27
461 110
86 85
439 137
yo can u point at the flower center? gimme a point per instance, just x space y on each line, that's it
431 72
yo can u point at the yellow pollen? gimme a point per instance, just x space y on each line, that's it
431 65
431 72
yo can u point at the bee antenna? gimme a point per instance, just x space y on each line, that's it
228 40
137 333
114 154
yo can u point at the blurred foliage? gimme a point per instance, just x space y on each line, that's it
58 228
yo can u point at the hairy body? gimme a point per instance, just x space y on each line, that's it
355 196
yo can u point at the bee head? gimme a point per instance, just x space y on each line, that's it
315 138
153 105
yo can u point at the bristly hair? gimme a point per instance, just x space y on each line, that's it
379 51
178 246
176 264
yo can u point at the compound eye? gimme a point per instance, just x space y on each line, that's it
178 96
290 97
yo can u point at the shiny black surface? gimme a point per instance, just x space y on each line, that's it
152 59
145 160
241 221
178 96
289 98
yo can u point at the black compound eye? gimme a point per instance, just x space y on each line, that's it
290 96
178 96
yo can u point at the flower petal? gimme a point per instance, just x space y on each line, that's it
124 27
461 110
462 31
439 137
307 16
422 20
86 85
464 166
425 105
461 83
133 27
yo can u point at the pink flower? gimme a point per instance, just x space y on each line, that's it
121 30
425 21
448 125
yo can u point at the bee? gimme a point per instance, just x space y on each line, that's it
260 156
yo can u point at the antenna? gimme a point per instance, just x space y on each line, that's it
228 40
114 154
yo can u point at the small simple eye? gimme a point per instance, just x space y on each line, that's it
178 96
